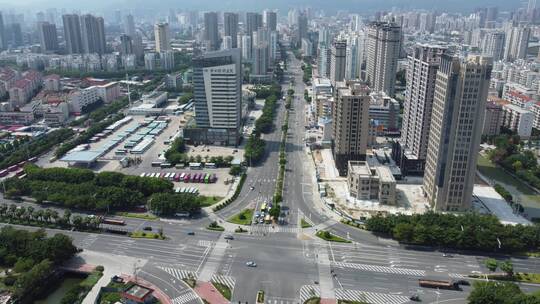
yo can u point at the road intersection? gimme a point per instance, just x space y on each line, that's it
292 264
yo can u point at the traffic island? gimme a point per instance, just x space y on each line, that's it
314 300
305 224
147 235
215 227
260 297
190 281
242 218
327 236
224 290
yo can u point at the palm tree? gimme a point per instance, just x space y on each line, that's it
3 209
67 217
39 215
54 215
12 209
20 212
30 212
47 215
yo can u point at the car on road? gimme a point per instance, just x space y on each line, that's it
191 233
261 221
251 264
415 298
229 237
447 255
463 282
147 228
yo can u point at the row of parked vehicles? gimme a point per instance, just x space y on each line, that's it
18 169
205 178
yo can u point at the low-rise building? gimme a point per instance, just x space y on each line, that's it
55 114
492 118
82 98
518 120
321 86
384 110
367 183
174 81
109 92
52 83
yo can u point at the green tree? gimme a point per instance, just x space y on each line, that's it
507 267
491 264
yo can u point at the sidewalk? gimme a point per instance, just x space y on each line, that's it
209 293
113 265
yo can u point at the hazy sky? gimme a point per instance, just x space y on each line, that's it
351 5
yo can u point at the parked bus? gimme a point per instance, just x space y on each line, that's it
213 179
210 165
13 168
195 166
206 178
120 152
182 175
33 159
4 173
165 165
187 177
143 175
156 164
195 178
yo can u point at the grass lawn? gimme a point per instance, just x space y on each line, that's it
352 224
218 228
519 190
327 236
146 235
92 279
313 301
528 277
490 170
305 224
209 200
223 289
143 216
242 218
260 296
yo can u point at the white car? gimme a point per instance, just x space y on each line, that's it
251 264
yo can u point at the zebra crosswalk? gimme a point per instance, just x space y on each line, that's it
370 297
88 241
205 243
309 291
267 229
179 274
277 300
225 280
188 297
457 276
382 269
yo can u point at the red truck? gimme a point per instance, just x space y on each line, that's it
113 221
450 285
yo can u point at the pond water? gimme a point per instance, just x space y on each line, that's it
56 296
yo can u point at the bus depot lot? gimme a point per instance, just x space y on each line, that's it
219 188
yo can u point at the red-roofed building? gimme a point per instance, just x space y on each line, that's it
519 95
52 83
23 89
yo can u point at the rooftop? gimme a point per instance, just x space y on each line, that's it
138 291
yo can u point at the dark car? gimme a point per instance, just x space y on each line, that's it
147 228
463 282
191 233
415 298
